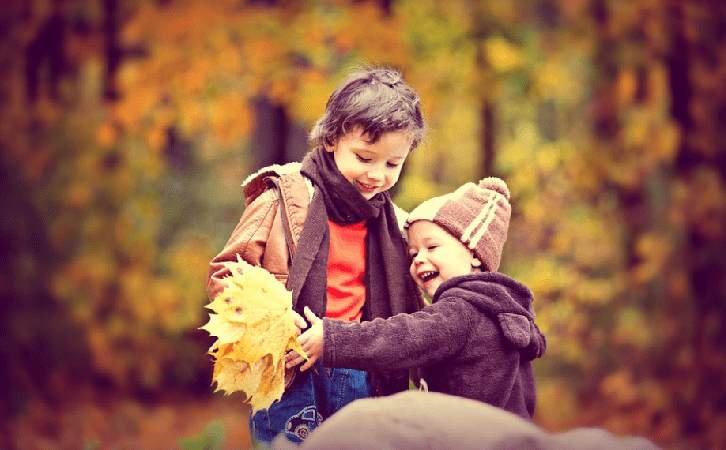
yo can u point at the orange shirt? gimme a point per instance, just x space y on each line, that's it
346 271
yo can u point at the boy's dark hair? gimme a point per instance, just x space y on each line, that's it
374 98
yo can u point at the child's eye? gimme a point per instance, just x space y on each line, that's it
412 255
392 165
362 159
432 247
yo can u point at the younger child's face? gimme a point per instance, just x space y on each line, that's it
371 168
437 255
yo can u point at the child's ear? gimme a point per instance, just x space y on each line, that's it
331 148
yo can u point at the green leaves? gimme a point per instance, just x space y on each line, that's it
212 438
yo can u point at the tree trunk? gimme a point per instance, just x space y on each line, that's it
694 69
484 90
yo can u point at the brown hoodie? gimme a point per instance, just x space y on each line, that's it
476 340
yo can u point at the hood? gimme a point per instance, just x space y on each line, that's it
256 183
504 299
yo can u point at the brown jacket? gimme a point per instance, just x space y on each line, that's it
263 236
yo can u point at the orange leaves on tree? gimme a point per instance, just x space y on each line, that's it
155 138
620 388
136 105
78 195
262 52
363 20
701 200
254 327
626 86
314 90
653 250
230 116
196 77
106 135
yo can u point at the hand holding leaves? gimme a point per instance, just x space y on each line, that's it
311 342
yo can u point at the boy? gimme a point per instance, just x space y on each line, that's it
478 338
328 229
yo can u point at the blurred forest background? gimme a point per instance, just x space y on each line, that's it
127 127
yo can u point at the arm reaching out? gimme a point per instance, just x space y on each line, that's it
311 341
402 341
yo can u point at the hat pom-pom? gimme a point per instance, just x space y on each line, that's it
495 184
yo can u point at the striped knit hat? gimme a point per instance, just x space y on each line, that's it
476 215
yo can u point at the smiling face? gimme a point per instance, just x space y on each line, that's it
437 256
371 167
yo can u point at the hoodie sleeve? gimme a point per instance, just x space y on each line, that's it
405 340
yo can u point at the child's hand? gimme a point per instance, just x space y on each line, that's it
299 322
311 341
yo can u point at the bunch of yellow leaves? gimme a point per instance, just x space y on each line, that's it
254 326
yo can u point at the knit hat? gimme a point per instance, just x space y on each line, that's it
476 215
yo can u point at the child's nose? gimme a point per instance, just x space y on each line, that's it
375 174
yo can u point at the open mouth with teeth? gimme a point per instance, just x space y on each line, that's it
428 276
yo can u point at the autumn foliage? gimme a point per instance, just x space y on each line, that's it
128 127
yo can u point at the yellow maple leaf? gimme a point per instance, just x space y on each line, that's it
226 332
254 326
232 376
271 387
228 304
219 350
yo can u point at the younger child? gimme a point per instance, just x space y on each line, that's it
478 338
328 229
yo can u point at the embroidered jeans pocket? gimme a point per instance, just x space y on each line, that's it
299 426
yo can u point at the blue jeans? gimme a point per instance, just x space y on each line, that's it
312 398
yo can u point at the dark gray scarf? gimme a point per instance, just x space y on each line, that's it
389 288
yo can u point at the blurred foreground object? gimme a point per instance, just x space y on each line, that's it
432 420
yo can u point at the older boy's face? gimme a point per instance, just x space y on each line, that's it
371 168
437 255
